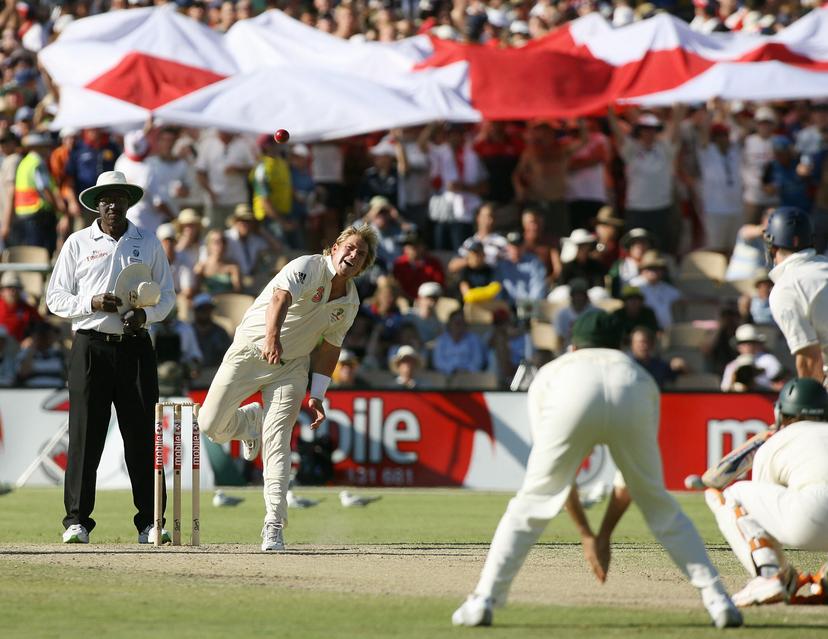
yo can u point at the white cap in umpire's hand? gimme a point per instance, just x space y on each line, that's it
135 288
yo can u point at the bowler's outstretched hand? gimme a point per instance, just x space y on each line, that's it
318 409
272 350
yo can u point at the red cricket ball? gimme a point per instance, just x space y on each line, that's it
281 136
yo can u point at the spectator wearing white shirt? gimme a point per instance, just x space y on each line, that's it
756 154
169 178
494 244
458 349
222 166
521 273
565 317
720 163
182 273
750 341
132 163
658 294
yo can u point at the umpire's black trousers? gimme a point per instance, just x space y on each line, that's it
105 370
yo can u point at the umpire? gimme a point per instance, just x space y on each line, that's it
112 358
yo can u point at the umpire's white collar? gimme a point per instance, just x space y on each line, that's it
791 261
132 232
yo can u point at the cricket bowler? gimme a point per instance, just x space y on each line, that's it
296 325
594 395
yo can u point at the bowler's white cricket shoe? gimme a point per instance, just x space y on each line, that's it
75 534
475 611
272 539
148 535
294 501
253 445
720 607
761 590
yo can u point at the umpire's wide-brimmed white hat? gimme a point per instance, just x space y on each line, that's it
135 288
110 181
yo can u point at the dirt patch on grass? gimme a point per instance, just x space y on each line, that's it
640 577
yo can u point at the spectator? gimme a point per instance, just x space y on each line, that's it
658 294
499 147
303 188
785 178
476 275
389 226
636 243
382 178
42 364
757 153
755 307
749 253
521 274
216 272
494 244
223 163
169 179
607 229
406 364
247 241
272 187
132 163
643 351
347 374
635 313
37 203
92 154
745 375
385 312
422 313
182 274
415 183
720 163
415 266
189 226
458 349
8 358
578 262
810 140
565 317
751 342
58 161
461 181
213 340
649 155
719 348
586 188
536 240
17 315
10 148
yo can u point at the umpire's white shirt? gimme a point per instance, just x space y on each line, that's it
795 456
799 300
311 317
89 264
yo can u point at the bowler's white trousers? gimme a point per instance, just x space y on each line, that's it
580 400
242 373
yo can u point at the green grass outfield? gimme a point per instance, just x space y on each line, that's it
58 599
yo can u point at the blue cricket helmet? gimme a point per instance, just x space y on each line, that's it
789 228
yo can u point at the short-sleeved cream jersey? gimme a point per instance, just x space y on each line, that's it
795 456
311 317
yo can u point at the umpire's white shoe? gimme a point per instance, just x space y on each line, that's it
75 534
272 539
475 611
761 590
253 445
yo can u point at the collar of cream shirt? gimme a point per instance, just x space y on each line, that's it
132 232
791 261
330 265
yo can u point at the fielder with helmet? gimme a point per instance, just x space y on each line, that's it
786 502
799 299
593 395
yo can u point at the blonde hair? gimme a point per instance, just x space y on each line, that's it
368 235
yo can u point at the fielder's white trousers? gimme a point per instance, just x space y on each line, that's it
242 373
596 399
795 517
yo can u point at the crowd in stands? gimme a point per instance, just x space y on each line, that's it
494 237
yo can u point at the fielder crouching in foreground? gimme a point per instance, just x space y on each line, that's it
786 502
297 323
594 395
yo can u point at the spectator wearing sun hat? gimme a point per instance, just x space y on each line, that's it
422 313
749 341
578 261
383 177
658 294
406 363
757 152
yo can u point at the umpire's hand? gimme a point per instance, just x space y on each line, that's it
318 409
134 319
106 302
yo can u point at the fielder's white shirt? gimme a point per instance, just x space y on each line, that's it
799 300
89 264
795 456
311 317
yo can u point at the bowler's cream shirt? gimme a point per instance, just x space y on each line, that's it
311 317
89 264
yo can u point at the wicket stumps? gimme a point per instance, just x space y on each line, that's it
177 408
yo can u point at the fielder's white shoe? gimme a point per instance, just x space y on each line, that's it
147 535
253 445
761 590
272 539
75 534
475 611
